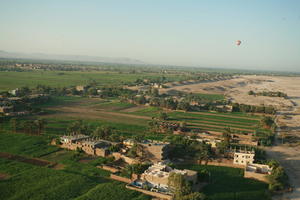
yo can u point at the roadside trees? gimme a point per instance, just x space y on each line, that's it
181 189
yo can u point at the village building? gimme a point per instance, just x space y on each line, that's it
157 85
81 88
6 109
157 176
85 143
129 142
225 108
71 141
257 171
95 147
15 92
243 157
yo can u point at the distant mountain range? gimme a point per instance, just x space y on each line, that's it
81 58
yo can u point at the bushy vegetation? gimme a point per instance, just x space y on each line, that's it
253 109
268 93
278 178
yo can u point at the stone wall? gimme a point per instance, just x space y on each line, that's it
109 168
101 152
120 178
126 159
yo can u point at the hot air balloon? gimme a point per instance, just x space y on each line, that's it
238 42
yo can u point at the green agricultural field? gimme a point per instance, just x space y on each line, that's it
104 191
213 121
31 182
11 80
114 105
229 184
27 145
75 179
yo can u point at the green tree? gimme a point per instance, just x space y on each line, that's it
163 116
40 124
13 124
178 185
267 121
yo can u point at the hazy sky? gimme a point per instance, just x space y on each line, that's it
199 33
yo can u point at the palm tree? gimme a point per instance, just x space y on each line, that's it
13 124
107 131
97 132
40 123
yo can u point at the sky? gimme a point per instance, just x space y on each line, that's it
187 32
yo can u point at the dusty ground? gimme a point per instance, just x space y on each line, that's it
237 89
4 176
288 116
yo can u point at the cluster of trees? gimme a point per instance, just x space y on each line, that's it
157 126
39 89
181 147
265 138
103 132
182 189
254 109
278 178
185 102
12 69
35 127
150 81
268 122
268 93
134 169
103 92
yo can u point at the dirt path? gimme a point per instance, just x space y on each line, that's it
4 176
133 109
88 113
33 161
289 157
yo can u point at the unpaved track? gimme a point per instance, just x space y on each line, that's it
289 158
90 113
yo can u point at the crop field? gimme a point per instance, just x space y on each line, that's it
104 191
12 80
31 182
27 181
229 184
131 118
207 120
20 144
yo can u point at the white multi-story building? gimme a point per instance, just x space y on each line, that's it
243 157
